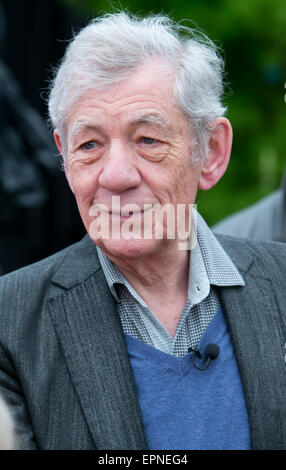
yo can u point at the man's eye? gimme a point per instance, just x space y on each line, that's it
89 145
149 140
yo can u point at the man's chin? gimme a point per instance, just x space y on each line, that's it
127 249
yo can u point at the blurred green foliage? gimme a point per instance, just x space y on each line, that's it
252 36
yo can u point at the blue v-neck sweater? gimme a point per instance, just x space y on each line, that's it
184 408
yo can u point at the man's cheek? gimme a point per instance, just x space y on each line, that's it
80 186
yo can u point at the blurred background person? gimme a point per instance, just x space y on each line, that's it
6 428
264 220
38 215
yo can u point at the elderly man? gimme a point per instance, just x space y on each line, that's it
128 339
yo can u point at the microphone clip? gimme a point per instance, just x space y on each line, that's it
212 352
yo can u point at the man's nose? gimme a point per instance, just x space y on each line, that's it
119 172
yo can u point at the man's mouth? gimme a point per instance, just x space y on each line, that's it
124 212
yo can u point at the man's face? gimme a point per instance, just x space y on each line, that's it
131 141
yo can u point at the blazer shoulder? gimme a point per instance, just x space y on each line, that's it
25 292
40 270
37 280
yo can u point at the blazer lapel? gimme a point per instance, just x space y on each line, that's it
89 331
253 321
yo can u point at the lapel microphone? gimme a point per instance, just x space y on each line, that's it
212 352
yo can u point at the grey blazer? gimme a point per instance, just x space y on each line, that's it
64 367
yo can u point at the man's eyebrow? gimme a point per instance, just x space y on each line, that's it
150 118
80 126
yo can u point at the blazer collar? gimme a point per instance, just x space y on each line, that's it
81 262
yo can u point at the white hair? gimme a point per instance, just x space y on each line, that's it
112 46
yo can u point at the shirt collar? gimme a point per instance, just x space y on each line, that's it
210 265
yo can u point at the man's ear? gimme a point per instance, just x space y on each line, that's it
219 150
58 141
